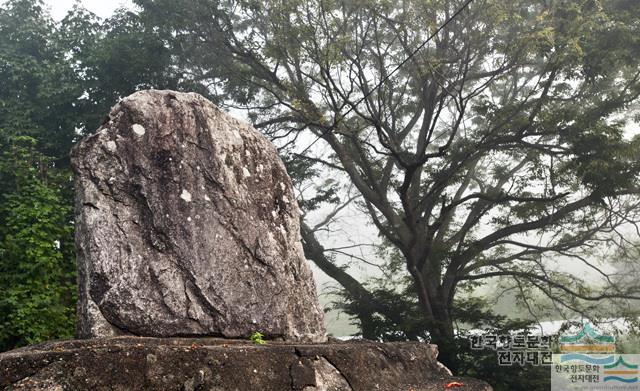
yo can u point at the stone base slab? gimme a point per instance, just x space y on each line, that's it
138 363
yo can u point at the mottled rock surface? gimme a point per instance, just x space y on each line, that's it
187 225
130 363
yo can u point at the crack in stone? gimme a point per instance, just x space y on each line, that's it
339 372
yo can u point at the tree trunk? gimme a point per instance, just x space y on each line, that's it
435 306
364 300
443 335
436 310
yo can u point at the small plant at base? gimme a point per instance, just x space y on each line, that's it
257 338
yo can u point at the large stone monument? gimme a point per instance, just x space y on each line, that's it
186 224
187 231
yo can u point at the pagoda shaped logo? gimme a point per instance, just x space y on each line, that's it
587 340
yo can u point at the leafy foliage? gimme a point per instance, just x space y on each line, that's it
257 338
37 268
39 87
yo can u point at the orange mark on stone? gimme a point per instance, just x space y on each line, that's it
454 384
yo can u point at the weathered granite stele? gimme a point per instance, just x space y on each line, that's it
187 225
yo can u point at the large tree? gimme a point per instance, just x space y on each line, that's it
496 146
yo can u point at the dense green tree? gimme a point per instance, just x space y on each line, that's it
497 145
37 272
40 89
